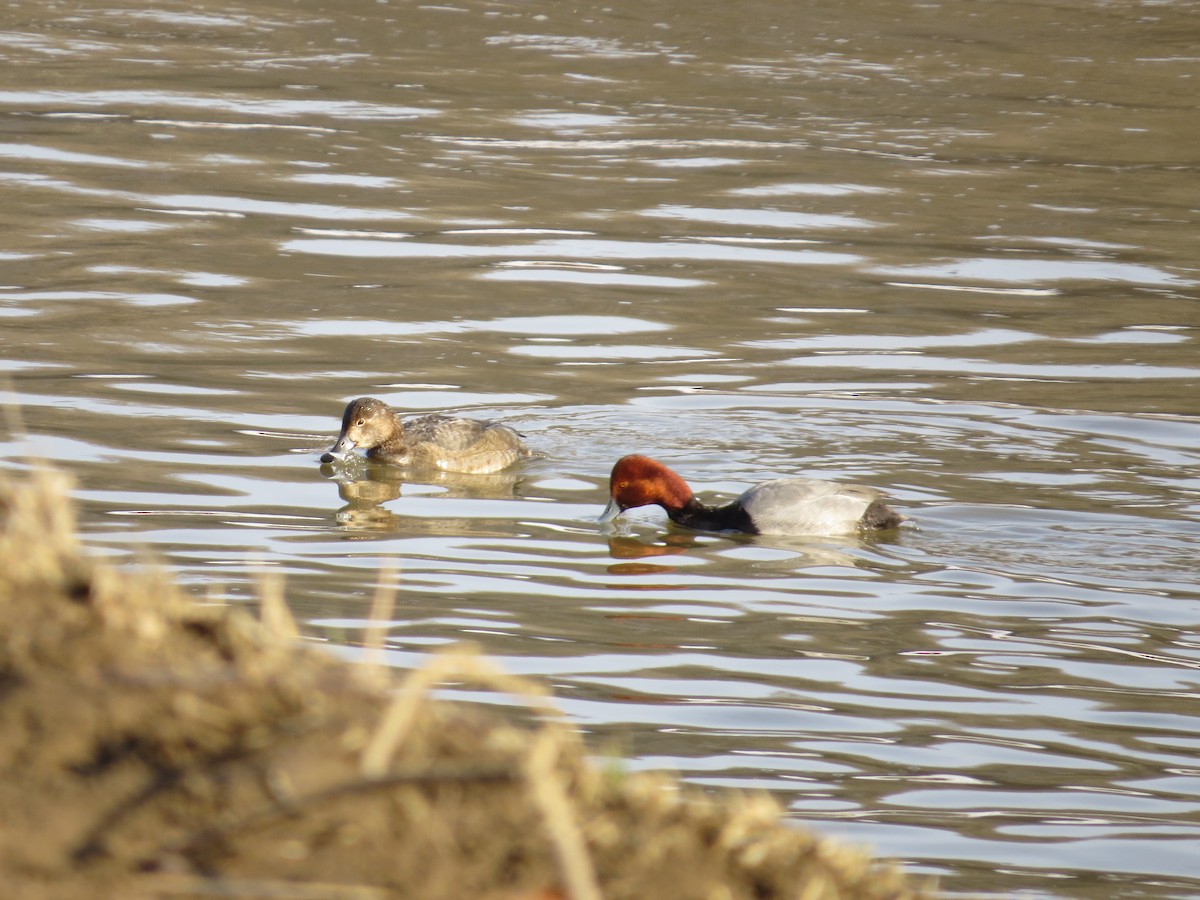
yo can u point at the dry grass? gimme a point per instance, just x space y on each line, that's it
156 747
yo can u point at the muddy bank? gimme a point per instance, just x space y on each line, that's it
155 747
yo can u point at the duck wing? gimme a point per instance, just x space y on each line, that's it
463 445
811 506
449 432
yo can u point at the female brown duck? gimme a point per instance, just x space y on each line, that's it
436 441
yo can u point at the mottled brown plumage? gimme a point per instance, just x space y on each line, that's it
434 441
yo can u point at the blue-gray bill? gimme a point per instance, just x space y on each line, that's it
610 512
340 450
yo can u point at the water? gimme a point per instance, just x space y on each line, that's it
947 249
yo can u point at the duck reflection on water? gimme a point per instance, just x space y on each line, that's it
366 486
778 551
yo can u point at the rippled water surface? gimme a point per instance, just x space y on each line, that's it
948 249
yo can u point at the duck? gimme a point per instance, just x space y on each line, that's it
793 506
448 443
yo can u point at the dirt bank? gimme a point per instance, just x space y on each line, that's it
152 746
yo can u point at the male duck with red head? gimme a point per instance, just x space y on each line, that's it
784 506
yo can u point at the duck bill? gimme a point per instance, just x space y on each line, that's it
340 450
611 511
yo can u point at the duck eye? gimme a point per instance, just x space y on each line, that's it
361 422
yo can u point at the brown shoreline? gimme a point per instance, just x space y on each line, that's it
156 747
